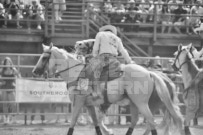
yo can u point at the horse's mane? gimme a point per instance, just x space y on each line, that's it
65 53
199 63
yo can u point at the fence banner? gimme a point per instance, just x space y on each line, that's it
41 91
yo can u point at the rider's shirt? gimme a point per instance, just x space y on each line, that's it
107 42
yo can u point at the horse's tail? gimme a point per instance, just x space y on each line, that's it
174 114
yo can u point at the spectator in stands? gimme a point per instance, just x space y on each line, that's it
195 13
173 4
119 11
180 18
36 12
108 7
10 72
59 8
119 7
189 1
132 16
91 9
144 7
158 4
198 9
132 6
12 12
21 8
165 18
200 28
2 14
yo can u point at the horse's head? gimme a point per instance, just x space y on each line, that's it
57 61
182 56
84 47
45 61
194 52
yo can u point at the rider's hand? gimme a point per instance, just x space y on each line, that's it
132 62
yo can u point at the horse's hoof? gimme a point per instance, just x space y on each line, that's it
154 132
195 122
187 131
70 131
98 131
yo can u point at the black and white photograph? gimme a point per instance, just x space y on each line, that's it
101 67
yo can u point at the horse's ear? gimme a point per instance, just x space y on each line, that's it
190 45
180 47
44 47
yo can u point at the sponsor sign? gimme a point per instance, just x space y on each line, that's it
41 91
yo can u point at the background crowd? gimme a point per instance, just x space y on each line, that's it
18 10
29 10
180 15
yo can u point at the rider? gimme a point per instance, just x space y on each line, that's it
106 47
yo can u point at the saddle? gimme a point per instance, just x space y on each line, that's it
111 72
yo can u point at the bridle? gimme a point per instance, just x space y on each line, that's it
177 60
58 72
46 61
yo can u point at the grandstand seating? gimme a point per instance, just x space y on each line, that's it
72 19
77 26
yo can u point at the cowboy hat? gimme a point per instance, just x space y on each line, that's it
109 27
131 1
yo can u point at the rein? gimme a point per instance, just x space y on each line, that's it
184 63
196 79
69 68
66 69
177 59
199 77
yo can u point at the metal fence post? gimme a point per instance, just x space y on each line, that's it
53 20
87 21
155 23
46 19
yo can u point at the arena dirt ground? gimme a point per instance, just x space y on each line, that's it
61 129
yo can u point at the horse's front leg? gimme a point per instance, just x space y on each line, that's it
79 102
189 116
186 127
134 118
104 128
195 120
92 112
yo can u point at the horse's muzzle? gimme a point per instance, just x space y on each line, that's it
36 73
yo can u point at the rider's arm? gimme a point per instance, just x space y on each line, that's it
96 46
124 52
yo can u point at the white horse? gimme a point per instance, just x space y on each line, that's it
136 84
198 57
192 75
85 47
